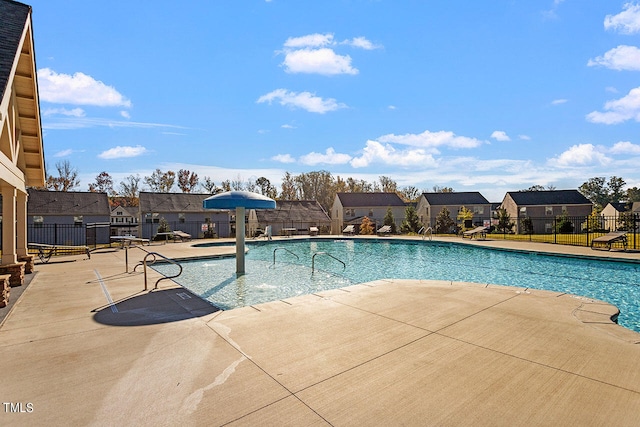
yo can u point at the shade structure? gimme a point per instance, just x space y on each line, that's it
240 201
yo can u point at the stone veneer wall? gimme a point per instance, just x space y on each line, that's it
16 271
5 289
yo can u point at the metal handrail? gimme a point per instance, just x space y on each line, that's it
427 230
284 249
165 277
313 260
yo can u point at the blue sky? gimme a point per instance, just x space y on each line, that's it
479 96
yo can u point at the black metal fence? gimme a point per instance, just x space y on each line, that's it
565 230
69 234
570 230
197 229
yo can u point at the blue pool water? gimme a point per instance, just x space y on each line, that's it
215 280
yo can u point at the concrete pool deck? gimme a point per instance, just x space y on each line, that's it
390 352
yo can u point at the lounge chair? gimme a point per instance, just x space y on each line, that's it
349 229
606 241
266 233
177 234
313 231
385 229
478 231
45 252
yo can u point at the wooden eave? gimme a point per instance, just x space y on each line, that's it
22 132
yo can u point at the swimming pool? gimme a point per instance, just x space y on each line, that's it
345 262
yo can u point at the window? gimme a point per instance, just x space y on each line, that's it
370 213
349 212
118 213
151 217
478 210
181 217
523 211
548 227
77 220
548 210
38 221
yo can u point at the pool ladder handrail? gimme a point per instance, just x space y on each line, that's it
165 277
284 249
424 232
313 260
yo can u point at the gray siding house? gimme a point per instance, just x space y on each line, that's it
290 214
431 204
351 208
62 217
183 212
544 206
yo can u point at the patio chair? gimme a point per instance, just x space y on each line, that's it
349 229
177 234
385 229
606 241
478 231
313 231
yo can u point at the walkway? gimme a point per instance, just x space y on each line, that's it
390 352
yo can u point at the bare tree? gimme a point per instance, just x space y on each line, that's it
103 184
187 180
209 186
66 180
160 182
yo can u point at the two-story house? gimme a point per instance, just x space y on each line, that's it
431 204
183 212
543 207
351 208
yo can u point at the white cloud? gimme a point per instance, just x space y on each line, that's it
319 61
432 140
64 153
500 135
558 101
125 114
287 126
619 110
626 22
524 137
311 40
120 152
619 58
74 112
362 43
304 100
625 147
580 155
315 54
330 157
77 89
67 123
392 107
283 158
375 152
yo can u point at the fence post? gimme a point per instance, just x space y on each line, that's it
586 221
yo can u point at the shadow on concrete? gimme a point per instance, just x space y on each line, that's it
155 307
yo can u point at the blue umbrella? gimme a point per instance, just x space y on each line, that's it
239 200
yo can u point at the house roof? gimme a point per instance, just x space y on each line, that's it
620 206
172 202
294 210
14 15
462 198
353 200
552 197
18 76
42 202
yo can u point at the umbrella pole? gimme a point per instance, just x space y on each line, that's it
240 240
